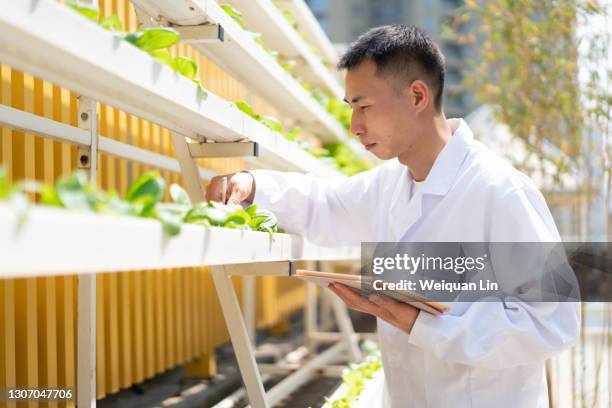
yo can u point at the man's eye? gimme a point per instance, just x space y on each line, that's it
365 107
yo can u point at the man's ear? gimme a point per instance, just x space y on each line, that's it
420 95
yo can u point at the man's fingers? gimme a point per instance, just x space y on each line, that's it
391 305
213 193
234 199
220 189
235 194
354 300
383 301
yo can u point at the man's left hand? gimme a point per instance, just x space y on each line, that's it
398 314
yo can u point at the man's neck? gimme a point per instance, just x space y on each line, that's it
421 159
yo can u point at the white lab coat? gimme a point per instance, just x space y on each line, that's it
479 354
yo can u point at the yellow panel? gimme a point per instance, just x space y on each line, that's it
187 312
66 117
18 151
267 301
27 333
103 128
160 322
137 332
169 329
57 116
177 286
112 333
100 338
207 313
66 310
109 161
29 159
194 293
204 366
6 135
8 366
134 130
149 324
125 346
48 144
47 326
122 123
39 142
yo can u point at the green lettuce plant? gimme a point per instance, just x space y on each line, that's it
143 199
354 380
153 40
269 121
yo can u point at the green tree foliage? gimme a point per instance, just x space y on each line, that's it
528 69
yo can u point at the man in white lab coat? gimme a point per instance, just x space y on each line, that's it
440 185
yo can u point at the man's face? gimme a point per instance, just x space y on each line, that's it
383 118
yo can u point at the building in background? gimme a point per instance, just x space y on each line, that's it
345 20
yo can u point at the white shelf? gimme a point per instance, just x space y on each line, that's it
39 125
51 41
55 241
311 27
263 17
240 55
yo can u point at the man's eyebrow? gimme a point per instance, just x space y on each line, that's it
354 100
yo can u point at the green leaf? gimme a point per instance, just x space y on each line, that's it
171 222
145 192
234 13
75 193
186 67
251 210
273 54
238 217
270 221
202 93
20 204
151 39
203 211
292 134
259 41
289 65
179 195
5 188
49 196
148 185
272 123
246 108
114 205
112 23
88 10
164 57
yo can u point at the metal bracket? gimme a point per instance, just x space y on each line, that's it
88 120
224 149
146 17
204 33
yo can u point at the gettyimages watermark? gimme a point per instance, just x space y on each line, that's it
490 271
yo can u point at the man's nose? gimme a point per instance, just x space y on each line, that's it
357 126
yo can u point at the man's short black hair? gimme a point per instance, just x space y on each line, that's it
406 52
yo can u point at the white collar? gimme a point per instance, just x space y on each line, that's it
446 166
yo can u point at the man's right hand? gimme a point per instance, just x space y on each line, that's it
240 187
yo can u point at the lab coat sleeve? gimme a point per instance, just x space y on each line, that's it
326 212
486 333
